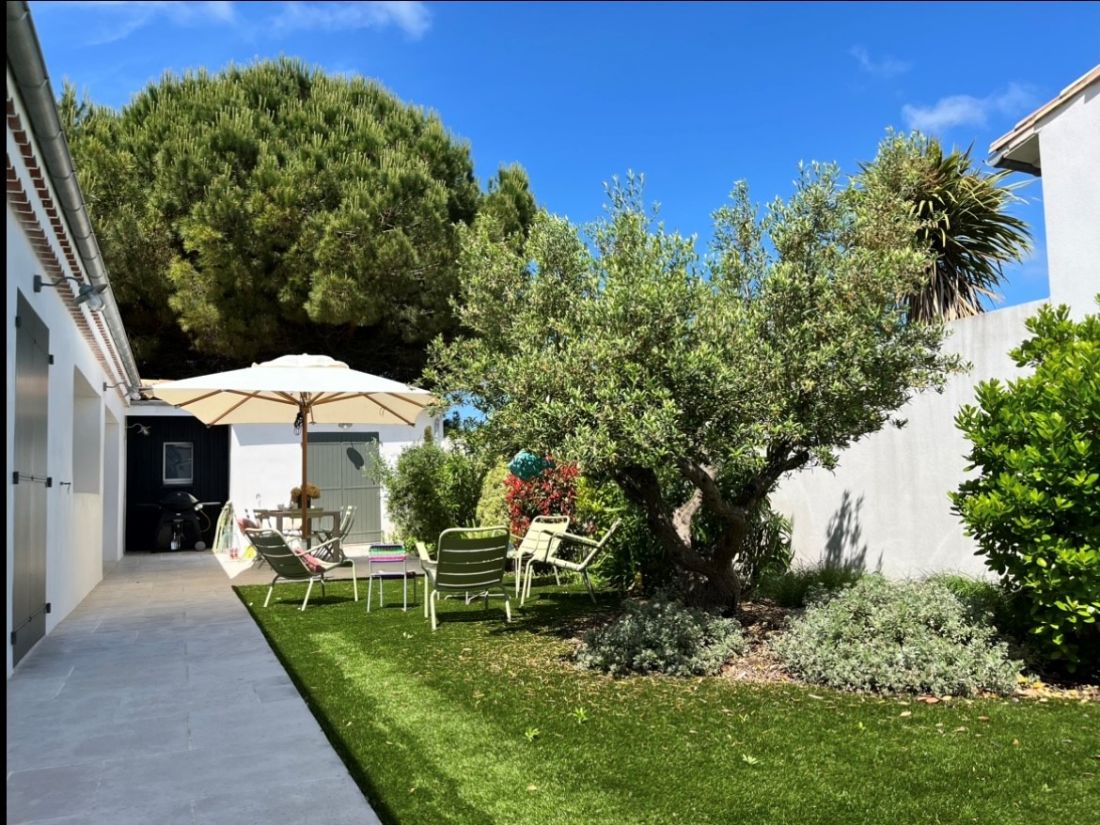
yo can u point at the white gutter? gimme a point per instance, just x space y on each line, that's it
29 69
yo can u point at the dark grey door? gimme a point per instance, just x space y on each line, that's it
32 364
343 467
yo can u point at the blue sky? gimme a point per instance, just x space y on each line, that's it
695 96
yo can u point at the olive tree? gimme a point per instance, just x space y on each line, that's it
693 382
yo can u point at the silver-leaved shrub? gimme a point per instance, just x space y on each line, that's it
899 637
662 636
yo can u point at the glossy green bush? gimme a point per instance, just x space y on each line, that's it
430 489
1034 507
492 508
897 637
662 636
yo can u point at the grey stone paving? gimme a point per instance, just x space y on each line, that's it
159 701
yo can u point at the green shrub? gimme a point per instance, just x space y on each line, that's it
1034 507
662 636
491 506
904 637
430 489
633 558
767 549
794 588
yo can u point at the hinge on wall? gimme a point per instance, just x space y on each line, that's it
18 321
15 477
51 359
49 607
13 638
49 481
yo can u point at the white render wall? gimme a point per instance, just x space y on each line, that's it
1069 145
75 554
265 460
885 507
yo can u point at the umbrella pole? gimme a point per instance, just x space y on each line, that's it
303 499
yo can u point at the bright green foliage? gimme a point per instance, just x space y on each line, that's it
905 637
662 372
492 509
272 208
430 489
661 636
961 221
1034 508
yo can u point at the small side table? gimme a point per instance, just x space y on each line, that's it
382 561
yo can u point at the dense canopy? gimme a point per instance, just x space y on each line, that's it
272 208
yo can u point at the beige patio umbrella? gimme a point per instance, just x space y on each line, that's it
298 390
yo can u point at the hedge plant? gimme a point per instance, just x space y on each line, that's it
1034 507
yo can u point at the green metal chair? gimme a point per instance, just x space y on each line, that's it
468 560
536 544
560 563
290 565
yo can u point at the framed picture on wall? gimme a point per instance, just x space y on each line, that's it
179 462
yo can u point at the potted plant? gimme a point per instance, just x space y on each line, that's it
312 492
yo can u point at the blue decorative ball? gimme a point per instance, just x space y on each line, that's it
525 465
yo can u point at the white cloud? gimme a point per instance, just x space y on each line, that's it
966 110
411 17
121 18
886 67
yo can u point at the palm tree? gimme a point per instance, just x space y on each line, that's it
962 222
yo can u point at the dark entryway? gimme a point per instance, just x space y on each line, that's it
31 482
168 454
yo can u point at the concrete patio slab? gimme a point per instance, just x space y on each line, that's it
159 700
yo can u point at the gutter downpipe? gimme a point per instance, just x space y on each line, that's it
29 68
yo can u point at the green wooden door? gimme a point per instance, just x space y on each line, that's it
343 467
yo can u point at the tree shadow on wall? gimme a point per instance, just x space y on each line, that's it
845 548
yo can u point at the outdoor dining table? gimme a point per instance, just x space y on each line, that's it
313 514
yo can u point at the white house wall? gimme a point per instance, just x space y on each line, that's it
265 460
75 521
886 507
1069 143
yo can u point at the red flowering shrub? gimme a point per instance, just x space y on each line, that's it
551 493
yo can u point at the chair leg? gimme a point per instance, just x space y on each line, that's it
434 599
354 581
427 596
309 590
507 604
270 590
588 584
557 578
370 590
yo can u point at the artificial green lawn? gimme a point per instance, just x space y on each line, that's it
440 727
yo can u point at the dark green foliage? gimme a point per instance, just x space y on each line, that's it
794 588
398 702
1034 506
430 489
962 222
662 636
634 559
272 208
904 637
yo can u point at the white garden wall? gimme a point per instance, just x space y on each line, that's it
886 507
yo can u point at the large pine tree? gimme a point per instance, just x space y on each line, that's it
272 209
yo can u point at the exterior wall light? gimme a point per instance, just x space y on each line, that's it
91 295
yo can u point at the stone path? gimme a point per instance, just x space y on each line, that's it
159 701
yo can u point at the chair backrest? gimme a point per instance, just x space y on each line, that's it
539 542
346 521
600 545
274 549
471 558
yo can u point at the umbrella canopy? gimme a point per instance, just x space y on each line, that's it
300 390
